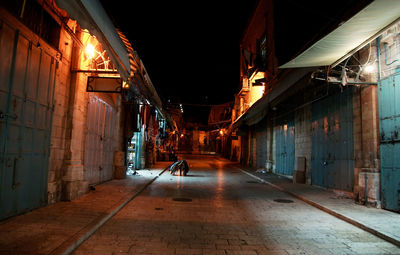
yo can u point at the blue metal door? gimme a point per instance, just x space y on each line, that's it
27 77
389 116
284 145
244 150
332 159
261 143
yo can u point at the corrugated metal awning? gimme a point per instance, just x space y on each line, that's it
91 16
260 108
350 36
141 86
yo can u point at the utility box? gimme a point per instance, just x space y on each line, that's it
299 173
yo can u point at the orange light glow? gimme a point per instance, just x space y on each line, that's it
90 51
125 85
182 135
221 132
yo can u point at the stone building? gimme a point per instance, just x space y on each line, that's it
319 116
67 79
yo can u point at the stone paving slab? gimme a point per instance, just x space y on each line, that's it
380 222
229 213
55 228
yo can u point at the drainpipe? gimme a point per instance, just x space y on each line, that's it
378 53
378 56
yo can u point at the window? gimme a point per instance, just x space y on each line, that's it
32 15
261 59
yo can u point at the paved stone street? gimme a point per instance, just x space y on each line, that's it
224 211
55 228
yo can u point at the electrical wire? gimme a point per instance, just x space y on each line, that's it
369 56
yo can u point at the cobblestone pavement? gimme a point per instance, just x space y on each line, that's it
380 222
221 210
51 229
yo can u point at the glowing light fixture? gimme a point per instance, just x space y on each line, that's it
221 132
369 68
125 85
90 51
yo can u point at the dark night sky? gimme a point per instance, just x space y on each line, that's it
191 48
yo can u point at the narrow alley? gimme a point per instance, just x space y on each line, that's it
215 209
199 127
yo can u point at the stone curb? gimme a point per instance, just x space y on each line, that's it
68 246
331 212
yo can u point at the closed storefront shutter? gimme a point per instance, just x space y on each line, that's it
332 159
261 137
99 145
284 142
27 78
389 116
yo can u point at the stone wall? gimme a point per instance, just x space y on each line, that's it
366 144
303 144
58 135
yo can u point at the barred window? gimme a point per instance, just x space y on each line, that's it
33 15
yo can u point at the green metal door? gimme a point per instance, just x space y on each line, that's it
261 143
284 145
389 123
27 77
332 159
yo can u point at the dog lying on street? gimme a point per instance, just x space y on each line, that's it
181 166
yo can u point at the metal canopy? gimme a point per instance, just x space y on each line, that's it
260 108
91 16
350 36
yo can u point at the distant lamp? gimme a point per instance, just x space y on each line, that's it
182 135
369 68
90 51
221 132
125 85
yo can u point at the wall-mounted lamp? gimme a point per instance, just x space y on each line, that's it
90 51
125 85
369 68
